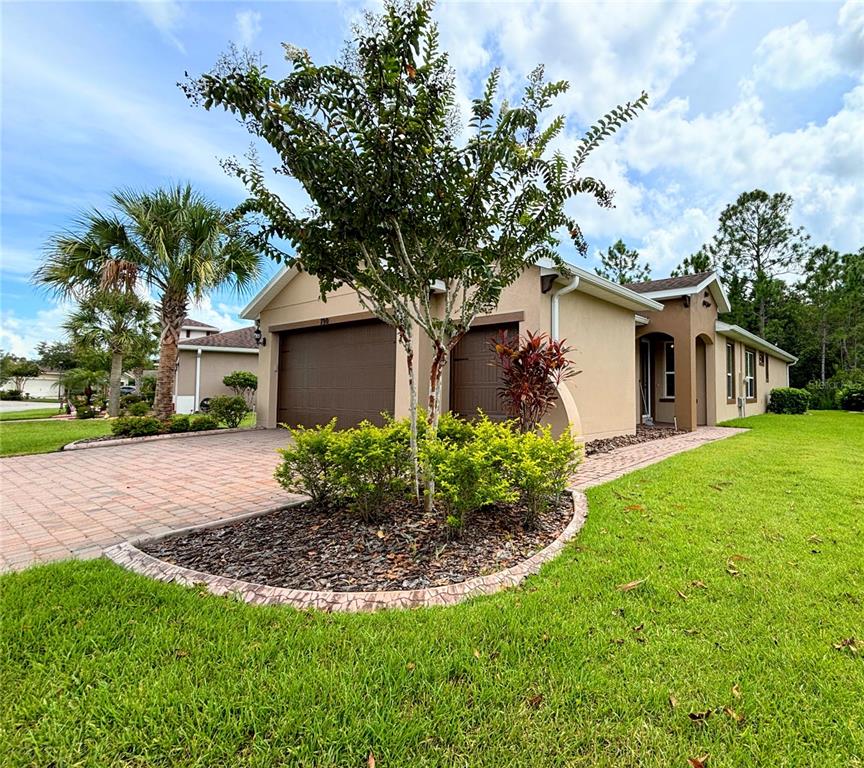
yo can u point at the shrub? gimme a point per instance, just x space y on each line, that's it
136 426
470 475
852 398
179 422
11 394
306 466
133 397
540 467
228 408
86 412
201 422
823 397
789 400
147 389
531 370
371 466
243 384
141 408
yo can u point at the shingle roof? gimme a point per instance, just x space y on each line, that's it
669 283
242 337
188 322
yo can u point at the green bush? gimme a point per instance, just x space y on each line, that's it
371 466
472 474
179 422
306 466
11 394
127 400
86 412
141 408
147 389
228 408
852 398
136 426
201 422
540 467
789 400
823 397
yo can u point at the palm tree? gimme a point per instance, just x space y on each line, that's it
116 320
175 241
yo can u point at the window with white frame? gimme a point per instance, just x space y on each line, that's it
750 373
669 369
730 371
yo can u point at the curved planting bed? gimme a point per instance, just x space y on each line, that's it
298 557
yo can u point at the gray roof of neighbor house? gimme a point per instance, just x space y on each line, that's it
669 283
188 322
242 338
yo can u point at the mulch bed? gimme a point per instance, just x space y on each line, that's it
304 547
644 434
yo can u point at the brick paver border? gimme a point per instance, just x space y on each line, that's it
129 556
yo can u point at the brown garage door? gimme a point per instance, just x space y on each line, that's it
474 380
347 371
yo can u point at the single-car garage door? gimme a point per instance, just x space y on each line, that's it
347 371
474 379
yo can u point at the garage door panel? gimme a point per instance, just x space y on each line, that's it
346 371
474 379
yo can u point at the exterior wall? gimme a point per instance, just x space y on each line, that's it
215 366
777 371
44 385
601 335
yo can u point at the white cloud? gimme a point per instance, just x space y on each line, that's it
20 335
795 57
248 27
167 16
221 315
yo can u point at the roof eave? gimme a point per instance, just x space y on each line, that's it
276 283
604 289
213 348
742 334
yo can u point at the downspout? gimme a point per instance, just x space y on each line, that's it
197 379
556 297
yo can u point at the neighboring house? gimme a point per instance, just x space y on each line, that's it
693 369
46 384
321 360
194 329
204 360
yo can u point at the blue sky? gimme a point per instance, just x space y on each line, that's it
742 95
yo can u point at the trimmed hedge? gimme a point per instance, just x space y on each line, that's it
789 400
852 398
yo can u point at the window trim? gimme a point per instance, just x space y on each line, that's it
730 372
667 345
749 351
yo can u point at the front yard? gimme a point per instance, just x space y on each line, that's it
713 605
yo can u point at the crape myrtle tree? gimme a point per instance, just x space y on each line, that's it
427 229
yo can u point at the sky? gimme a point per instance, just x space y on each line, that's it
742 95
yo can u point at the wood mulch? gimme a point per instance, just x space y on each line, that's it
304 547
644 434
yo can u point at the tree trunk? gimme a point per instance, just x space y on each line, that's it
173 311
823 350
408 345
138 373
433 415
114 383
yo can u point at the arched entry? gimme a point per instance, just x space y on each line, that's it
701 383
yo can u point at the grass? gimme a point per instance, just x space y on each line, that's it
19 438
106 668
34 413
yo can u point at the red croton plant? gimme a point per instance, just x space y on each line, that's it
531 368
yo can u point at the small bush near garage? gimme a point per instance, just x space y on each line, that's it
136 426
789 400
306 466
201 422
179 422
852 398
228 409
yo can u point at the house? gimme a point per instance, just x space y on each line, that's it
692 368
205 358
321 359
194 329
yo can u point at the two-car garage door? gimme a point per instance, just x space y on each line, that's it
347 371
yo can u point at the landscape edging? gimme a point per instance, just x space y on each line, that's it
128 556
80 445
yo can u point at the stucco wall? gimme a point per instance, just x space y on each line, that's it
777 377
214 367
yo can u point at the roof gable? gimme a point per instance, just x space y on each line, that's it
685 285
242 338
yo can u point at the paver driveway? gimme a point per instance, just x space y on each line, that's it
76 503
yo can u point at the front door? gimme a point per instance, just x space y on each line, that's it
645 373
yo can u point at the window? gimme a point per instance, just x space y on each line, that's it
767 361
750 374
669 370
730 372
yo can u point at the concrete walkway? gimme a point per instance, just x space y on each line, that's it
77 503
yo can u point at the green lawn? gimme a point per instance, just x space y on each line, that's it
46 436
35 413
751 552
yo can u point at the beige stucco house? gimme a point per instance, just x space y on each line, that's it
204 359
323 359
